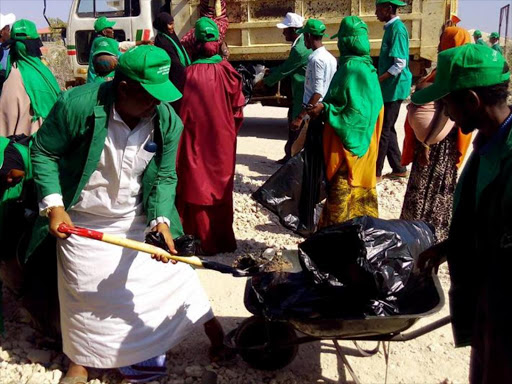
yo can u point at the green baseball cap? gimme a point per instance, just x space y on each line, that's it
351 26
103 23
398 3
314 27
494 35
24 29
206 30
105 45
477 33
150 66
465 67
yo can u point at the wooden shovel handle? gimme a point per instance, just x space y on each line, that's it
128 243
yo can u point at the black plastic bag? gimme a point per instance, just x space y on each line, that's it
247 73
186 245
363 267
295 191
366 253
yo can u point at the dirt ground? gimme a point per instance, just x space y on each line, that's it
429 359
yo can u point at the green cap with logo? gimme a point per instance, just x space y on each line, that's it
103 23
105 45
465 67
314 27
477 33
398 3
494 35
24 29
206 30
149 66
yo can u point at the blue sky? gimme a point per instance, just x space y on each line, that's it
475 14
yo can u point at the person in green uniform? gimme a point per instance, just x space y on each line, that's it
295 68
104 29
104 59
472 82
477 36
395 79
494 39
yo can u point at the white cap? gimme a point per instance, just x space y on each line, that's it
8 19
291 20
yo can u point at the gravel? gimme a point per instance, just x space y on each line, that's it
26 358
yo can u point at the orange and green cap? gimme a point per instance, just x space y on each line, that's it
313 27
103 23
206 30
149 66
398 3
466 67
24 29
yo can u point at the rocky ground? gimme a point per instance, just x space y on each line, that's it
26 357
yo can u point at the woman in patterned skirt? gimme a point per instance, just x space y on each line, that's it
436 148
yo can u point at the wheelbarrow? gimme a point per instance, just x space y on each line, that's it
271 344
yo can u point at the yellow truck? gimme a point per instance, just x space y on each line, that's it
252 35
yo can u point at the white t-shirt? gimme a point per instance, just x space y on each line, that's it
321 68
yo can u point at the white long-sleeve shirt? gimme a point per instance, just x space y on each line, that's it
115 187
321 68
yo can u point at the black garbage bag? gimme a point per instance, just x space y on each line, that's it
366 253
363 267
295 191
247 73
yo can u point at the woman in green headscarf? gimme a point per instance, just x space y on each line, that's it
31 89
353 114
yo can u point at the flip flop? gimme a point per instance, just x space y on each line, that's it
73 380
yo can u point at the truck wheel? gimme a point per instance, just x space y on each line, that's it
275 338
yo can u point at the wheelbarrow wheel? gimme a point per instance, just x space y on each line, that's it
276 340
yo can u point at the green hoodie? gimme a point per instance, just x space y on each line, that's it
354 100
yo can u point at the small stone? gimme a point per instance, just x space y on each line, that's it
39 356
189 380
176 381
194 371
231 374
36 378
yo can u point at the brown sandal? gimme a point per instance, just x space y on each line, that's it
73 380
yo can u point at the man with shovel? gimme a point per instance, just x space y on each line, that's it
105 160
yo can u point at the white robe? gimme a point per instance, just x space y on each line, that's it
120 307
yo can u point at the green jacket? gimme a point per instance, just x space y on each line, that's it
497 48
295 67
67 149
481 41
395 44
480 240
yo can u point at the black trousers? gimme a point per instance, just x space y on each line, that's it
292 136
388 145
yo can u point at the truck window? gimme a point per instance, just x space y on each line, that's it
83 40
108 8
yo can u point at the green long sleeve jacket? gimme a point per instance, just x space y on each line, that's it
295 67
67 150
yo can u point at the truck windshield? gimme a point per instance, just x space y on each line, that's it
109 8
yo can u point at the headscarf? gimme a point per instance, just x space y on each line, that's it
353 101
207 41
454 37
161 22
40 84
